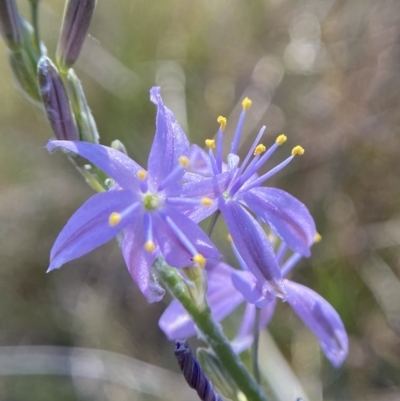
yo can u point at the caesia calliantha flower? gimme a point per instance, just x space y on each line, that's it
147 207
285 215
230 288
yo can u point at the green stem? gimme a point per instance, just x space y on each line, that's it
35 22
256 334
211 332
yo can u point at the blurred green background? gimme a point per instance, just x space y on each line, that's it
326 73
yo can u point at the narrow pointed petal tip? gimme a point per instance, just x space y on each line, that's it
253 246
286 215
322 319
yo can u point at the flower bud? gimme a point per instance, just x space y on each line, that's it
10 24
118 145
24 73
83 116
77 17
55 101
217 374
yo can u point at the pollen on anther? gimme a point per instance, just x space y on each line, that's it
149 246
297 150
141 174
281 139
184 161
210 143
222 121
229 238
246 103
114 219
199 259
259 149
206 201
317 237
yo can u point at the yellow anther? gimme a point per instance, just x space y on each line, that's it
199 259
297 150
246 103
210 143
229 238
206 201
149 246
222 121
114 219
281 139
184 161
259 149
141 174
317 237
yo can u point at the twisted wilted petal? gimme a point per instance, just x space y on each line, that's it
55 101
10 24
321 319
115 164
287 216
170 142
88 228
253 245
139 261
75 26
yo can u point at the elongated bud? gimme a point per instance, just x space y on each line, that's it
10 24
55 101
196 284
216 372
24 73
193 373
118 145
83 116
75 26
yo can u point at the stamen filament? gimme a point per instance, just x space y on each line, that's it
213 162
290 263
115 217
252 147
267 175
281 252
246 103
149 245
239 258
180 235
174 175
220 140
189 202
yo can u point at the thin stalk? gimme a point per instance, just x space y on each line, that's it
213 222
256 336
211 332
35 22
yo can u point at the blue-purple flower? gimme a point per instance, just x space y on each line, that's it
147 207
287 217
229 288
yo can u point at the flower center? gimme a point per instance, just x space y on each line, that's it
151 202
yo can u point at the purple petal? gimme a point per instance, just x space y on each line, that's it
321 319
176 323
115 164
287 216
88 228
212 188
139 261
200 161
253 246
246 284
172 249
170 142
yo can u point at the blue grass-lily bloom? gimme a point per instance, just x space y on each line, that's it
285 215
147 207
229 288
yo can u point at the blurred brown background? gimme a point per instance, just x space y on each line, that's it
324 72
